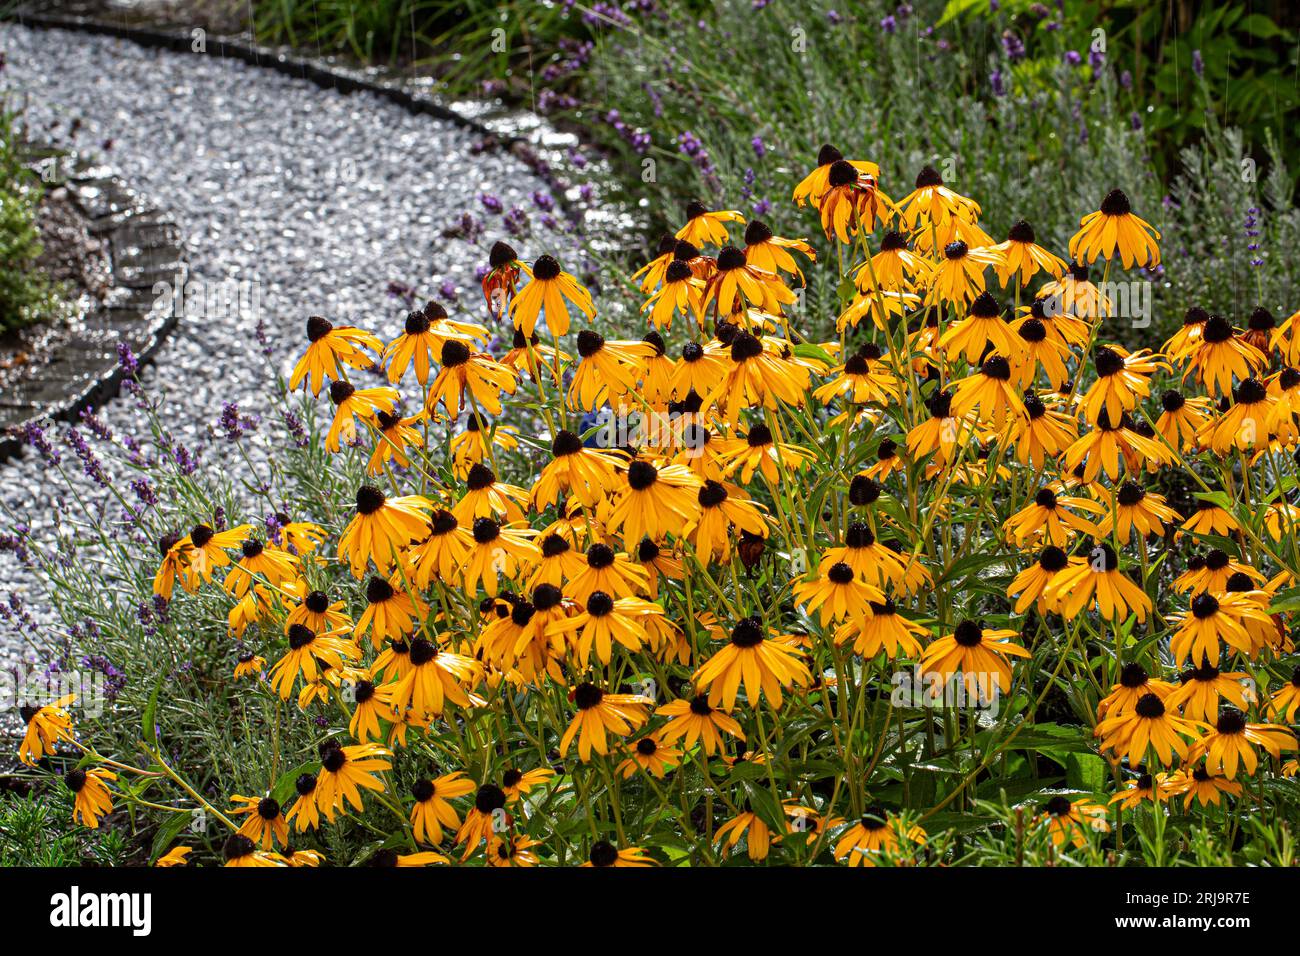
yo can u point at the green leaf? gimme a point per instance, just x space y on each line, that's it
284 787
148 723
168 833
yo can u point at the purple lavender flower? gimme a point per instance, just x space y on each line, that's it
126 359
234 424
760 148
144 491
491 203
1073 58
1198 64
889 24
89 462
34 435
995 83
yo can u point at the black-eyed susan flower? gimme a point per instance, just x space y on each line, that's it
433 810
699 370
303 812
1152 788
423 336
249 664
1188 336
464 370
758 451
1072 821
604 854
1137 511
1134 684
176 856
386 858
771 253
1115 229
1098 581
600 714
345 772
610 571
1182 419
318 613
1231 741
308 654
607 370
382 529
959 279
370 705
1149 728
1203 687
653 272
748 825
813 186
758 376
205 549
695 721
875 833
442 553
974 651
393 436
47 724
512 850
1219 355
931 203
1024 257
762 665
264 822
737 285
587 473
435 677
894 267
724 514
516 783
680 294
988 394
703 226
1286 701
1030 583
92 800
328 348
1123 378
838 592
1210 518
603 622
550 292
1051 516
863 378
501 278
651 756
1213 618
982 328
1071 300
852 202
352 403
1247 422
655 500
486 497
1042 434
882 629
1114 446
881 306
477 442
260 562
1204 787
241 852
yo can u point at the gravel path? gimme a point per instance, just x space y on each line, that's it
320 200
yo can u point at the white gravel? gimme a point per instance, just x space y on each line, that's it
319 199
